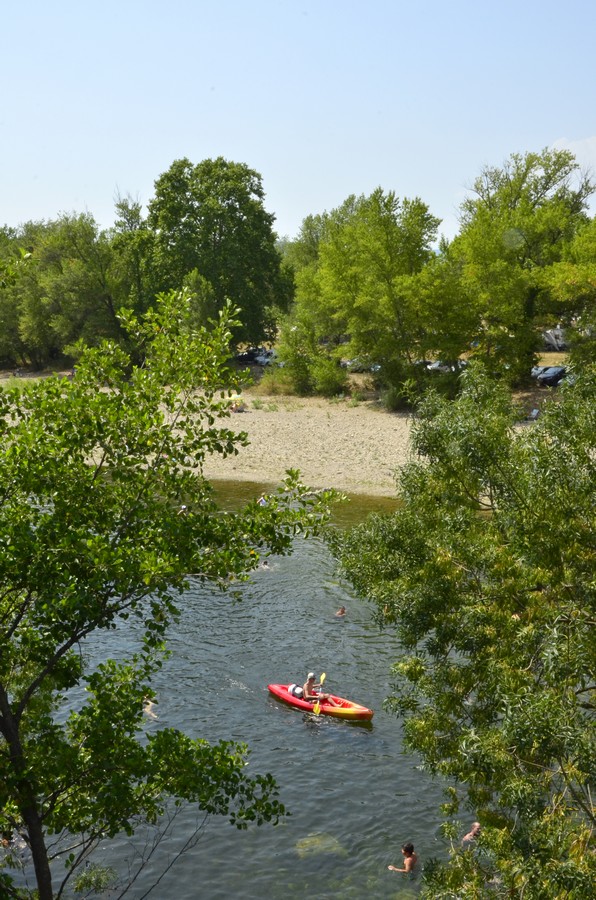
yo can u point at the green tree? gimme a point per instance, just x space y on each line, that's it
66 295
211 218
447 312
133 274
12 259
92 475
486 573
354 272
518 222
365 264
572 286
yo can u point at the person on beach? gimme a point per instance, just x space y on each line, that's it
311 695
410 859
341 612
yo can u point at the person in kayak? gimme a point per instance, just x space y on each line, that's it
311 695
410 859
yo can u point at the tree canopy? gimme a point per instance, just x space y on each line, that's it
486 573
369 278
93 472
369 273
517 224
206 229
355 269
210 218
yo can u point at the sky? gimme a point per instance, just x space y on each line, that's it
323 98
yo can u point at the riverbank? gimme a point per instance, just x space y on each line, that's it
353 447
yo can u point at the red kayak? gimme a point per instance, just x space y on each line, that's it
346 709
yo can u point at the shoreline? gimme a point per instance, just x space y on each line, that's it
354 448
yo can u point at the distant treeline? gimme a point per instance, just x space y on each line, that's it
366 280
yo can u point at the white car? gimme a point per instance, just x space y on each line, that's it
266 357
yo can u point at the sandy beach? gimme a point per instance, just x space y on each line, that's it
353 448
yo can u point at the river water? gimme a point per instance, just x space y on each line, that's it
354 797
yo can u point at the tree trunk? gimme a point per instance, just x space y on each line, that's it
25 797
39 852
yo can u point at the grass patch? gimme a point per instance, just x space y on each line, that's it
275 380
15 383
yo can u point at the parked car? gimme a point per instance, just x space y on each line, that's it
249 355
266 357
359 364
551 375
445 367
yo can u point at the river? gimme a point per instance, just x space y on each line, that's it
354 797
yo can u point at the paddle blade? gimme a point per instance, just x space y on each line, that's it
322 678
316 708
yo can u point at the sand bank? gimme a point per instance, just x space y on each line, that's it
354 448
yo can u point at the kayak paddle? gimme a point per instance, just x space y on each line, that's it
317 707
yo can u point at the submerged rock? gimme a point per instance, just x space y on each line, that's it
320 842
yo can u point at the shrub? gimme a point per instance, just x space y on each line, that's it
397 398
275 380
328 378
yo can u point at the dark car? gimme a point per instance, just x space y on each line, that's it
551 376
248 356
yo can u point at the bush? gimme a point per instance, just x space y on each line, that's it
328 378
275 380
298 369
397 398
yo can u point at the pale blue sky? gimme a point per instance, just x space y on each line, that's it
324 98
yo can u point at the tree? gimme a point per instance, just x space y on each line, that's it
486 572
211 218
354 278
12 259
572 286
365 263
519 222
67 294
133 272
92 475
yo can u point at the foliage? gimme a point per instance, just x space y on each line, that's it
358 263
517 225
572 286
92 475
207 229
211 218
275 380
486 573
328 378
66 296
133 272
